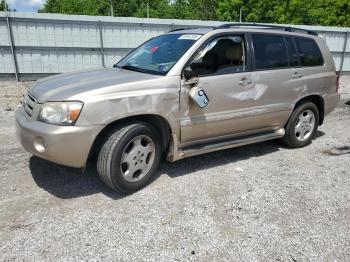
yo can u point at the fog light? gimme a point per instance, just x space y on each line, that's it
39 144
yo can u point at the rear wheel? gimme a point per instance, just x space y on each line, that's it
129 157
302 125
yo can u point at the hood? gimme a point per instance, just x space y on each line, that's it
64 86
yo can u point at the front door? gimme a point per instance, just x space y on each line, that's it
223 75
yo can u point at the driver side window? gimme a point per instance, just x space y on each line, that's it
223 55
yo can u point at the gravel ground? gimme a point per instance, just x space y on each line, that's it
260 202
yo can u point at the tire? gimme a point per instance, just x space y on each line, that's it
299 130
129 157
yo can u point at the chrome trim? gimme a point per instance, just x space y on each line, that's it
207 148
29 103
234 114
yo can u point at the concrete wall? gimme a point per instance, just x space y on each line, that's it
54 43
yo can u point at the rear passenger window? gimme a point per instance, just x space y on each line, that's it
292 52
310 54
270 51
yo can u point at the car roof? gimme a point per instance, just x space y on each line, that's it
253 28
201 31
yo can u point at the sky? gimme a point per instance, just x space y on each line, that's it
25 5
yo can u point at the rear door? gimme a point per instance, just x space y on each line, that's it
277 77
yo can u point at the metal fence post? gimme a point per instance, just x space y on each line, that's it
99 23
10 35
344 51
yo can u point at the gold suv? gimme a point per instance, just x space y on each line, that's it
184 93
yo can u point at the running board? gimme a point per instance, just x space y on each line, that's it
225 144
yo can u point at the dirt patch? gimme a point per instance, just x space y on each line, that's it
337 151
262 202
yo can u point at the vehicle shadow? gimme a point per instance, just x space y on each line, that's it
219 158
65 182
197 163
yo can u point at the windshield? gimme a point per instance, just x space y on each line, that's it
159 54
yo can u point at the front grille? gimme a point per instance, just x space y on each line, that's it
28 104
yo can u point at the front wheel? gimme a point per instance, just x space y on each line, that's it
129 157
302 125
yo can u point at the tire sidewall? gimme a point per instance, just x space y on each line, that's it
307 106
117 177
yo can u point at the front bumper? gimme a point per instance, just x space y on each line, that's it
66 145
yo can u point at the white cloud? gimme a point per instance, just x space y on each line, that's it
26 3
11 2
32 3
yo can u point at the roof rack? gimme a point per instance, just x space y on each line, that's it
284 28
180 29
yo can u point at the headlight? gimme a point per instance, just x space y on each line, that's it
60 113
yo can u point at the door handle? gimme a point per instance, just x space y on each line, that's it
296 75
244 82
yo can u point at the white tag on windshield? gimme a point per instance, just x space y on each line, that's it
189 37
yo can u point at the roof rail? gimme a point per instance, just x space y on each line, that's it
180 29
284 28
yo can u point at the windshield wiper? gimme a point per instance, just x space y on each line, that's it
141 70
132 68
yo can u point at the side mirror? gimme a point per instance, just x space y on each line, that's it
189 74
199 97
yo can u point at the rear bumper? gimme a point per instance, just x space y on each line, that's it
66 145
331 101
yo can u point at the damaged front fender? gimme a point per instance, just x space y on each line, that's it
152 97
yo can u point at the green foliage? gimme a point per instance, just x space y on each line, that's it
80 7
310 12
316 12
3 6
194 9
157 8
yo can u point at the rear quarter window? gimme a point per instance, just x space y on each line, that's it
309 52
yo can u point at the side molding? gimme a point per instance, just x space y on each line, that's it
175 153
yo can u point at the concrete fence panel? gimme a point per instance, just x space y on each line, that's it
44 44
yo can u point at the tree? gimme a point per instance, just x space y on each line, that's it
4 6
157 8
310 12
228 10
335 12
181 9
79 7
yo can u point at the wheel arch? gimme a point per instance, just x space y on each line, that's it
317 100
159 123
